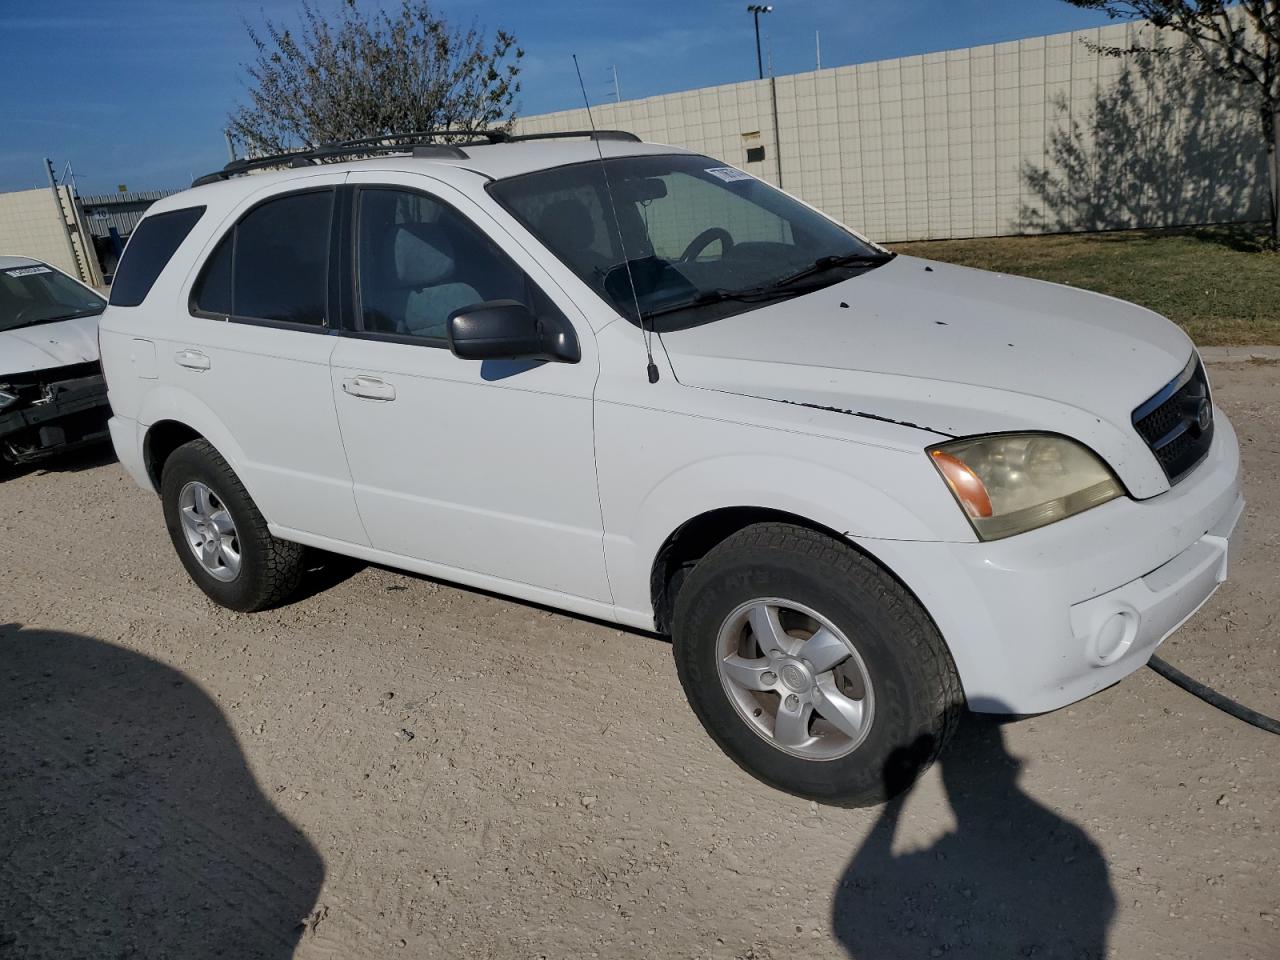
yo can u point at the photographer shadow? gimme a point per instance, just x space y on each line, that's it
1013 879
130 823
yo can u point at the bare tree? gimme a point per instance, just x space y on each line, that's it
372 73
1239 39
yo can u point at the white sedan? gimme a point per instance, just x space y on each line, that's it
52 395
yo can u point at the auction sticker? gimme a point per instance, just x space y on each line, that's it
27 271
729 174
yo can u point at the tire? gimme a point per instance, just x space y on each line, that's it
267 570
900 676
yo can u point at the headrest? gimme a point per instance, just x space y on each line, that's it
567 224
421 262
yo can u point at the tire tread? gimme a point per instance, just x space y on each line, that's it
927 651
281 560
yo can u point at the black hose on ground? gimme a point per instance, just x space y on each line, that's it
1213 697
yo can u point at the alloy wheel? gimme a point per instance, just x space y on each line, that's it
795 678
209 531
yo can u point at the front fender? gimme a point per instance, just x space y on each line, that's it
817 491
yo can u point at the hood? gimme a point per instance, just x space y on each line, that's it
955 351
48 345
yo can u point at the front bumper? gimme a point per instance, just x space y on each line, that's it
1049 617
72 414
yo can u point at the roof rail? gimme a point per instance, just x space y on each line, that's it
412 142
407 142
490 136
589 134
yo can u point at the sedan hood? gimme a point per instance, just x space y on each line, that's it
954 351
48 345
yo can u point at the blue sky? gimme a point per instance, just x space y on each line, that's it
137 91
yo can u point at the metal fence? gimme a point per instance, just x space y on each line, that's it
119 210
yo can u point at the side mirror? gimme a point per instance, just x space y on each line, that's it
508 330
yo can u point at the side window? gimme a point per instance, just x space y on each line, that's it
149 250
273 265
419 260
212 292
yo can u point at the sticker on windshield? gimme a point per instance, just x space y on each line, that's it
729 174
27 271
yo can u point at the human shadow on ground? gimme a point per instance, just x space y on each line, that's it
130 824
1012 880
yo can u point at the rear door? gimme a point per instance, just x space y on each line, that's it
254 348
482 467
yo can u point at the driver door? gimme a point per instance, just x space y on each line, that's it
484 467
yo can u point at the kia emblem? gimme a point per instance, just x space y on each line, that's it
1204 414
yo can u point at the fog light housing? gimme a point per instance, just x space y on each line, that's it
1114 637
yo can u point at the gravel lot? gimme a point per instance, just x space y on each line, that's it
392 766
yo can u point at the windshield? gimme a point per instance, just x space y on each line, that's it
40 294
699 240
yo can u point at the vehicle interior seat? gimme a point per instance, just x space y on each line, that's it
420 285
567 225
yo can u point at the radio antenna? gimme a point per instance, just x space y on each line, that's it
645 332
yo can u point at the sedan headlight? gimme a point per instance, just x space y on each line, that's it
1013 482
7 399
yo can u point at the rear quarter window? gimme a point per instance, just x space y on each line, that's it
149 249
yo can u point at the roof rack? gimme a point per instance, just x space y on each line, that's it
412 142
589 134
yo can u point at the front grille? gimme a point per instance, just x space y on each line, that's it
1177 422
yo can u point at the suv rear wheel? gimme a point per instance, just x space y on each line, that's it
815 670
220 535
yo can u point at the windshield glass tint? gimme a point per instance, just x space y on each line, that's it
690 229
39 294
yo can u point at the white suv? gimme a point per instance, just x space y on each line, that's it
859 490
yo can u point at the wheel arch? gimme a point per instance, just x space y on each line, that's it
697 536
159 442
708 499
172 418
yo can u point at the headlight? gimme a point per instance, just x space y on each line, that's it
1013 482
7 399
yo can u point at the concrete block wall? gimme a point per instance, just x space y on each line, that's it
1043 134
30 227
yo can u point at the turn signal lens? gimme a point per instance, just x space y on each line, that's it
964 484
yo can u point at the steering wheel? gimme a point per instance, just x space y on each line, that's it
704 240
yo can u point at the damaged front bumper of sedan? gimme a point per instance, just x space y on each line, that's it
45 412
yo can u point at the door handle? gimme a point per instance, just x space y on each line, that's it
192 359
370 388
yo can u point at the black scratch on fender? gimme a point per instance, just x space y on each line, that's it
860 413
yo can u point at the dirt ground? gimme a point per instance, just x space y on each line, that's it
392 766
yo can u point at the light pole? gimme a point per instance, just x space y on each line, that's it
755 9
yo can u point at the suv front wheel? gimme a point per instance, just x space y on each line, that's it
812 667
220 535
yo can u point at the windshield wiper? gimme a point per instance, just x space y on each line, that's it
830 262
775 290
718 295
87 312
